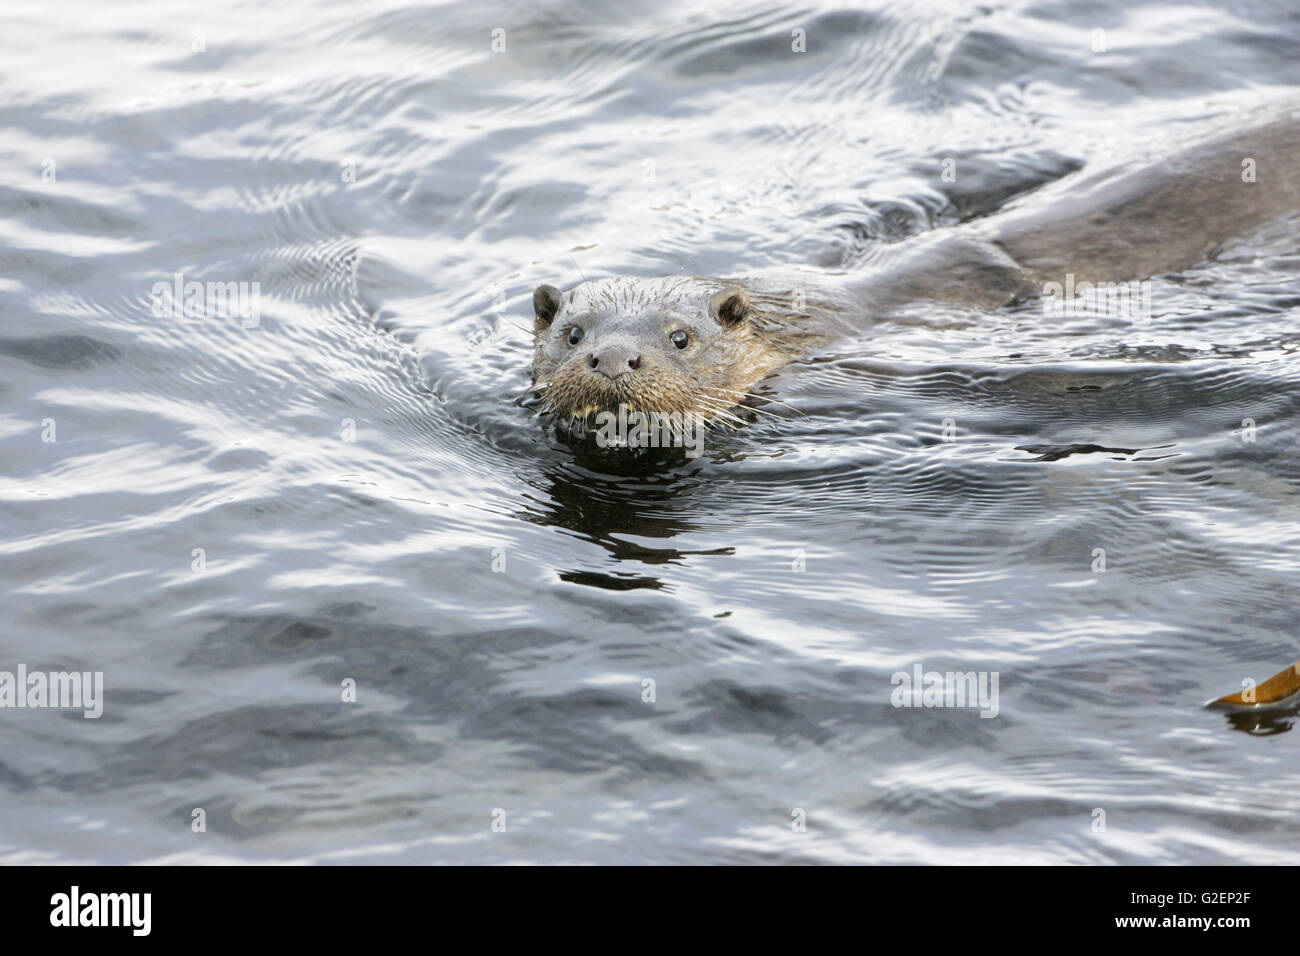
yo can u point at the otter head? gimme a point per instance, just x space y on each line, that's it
672 345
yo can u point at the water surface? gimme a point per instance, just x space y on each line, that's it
235 517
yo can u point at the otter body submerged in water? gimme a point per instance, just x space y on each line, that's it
692 346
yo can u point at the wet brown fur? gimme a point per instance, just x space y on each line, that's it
1114 225
738 336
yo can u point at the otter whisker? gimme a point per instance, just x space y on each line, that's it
756 411
761 398
722 414
719 407
727 403
578 267
753 395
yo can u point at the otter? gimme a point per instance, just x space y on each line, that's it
679 346
698 346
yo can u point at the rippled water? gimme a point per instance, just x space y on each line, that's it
234 517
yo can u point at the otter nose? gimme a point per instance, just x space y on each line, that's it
614 360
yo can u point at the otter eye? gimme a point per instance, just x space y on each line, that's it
680 338
575 335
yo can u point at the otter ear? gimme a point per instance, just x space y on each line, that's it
546 302
730 306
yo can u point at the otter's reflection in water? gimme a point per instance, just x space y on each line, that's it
625 501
